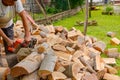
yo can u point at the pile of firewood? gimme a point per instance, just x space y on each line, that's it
64 55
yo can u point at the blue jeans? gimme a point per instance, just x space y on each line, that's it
10 34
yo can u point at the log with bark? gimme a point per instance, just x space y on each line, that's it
47 65
27 65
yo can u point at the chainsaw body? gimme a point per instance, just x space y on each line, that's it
19 43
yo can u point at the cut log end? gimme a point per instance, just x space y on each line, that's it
18 71
4 72
43 73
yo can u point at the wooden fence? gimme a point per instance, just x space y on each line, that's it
58 16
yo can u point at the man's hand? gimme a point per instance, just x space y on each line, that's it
10 42
27 37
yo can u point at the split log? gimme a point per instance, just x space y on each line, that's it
115 41
109 60
111 70
90 69
98 63
66 63
59 47
71 50
57 76
53 39
58 28
32 76
89 76
100 74
63 55
112 53
27 65
50 28
59 67
99 45
77 54
108 76
47 65
4 72
73 71
72 35
43 34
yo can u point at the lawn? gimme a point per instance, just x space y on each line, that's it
105 23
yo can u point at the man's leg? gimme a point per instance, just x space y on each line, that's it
9 33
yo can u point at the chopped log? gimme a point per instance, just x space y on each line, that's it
53 39
115 41
57 76
100 74
109 60
27 65
22 53
50 28
4 71
73 71
94 51
59 47
71 50
72 35
36 32
97 65
78 61
63 55
40 41
32 76
59 67
99 45
66 63
90 69
58 28
43 34
80 40
112 53
111 70
77 54
47 65
94 39
89 76
111 34
111 50
88 41
108 76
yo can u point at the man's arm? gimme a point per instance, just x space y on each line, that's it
26 25
9 41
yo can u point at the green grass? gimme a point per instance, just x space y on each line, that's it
105 23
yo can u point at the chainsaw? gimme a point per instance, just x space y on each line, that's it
20 43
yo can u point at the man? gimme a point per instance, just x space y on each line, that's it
7 11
